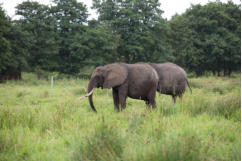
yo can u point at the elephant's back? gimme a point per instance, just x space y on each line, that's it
142 79
172 78
143 71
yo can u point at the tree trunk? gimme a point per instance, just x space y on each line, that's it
214 73
218 73
127 57
229 72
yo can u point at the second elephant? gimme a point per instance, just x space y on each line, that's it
172 79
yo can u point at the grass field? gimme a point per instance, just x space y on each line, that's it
36 124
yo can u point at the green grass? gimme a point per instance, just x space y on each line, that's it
36 124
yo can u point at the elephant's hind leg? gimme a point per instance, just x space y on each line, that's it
151 99
174 99
153 104
115 98
122 100
147 102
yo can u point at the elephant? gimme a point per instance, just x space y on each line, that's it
172 79
137 81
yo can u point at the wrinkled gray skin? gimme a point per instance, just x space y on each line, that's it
137 81
172 79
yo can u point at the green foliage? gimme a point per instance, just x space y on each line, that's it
12 49
70 17
209 37
204 39
139 25
39 28
5 54
98 45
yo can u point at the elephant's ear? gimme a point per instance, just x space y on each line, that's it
116 75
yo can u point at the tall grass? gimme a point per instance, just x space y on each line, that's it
36 124
106 144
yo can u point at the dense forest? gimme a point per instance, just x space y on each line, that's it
60 38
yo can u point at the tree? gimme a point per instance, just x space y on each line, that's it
37 22
134 22
5 53
70 19
12 49
207 38
99 45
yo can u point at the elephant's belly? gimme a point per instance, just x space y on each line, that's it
138 97
172 91
142 87
138 93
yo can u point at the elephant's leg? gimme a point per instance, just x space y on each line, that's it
122 95
122 101
115 98
174 99
147 102
152 102
151 99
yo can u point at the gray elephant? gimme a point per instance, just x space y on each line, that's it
172 79
137 81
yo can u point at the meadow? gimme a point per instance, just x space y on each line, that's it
37 124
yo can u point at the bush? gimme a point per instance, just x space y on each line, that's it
229 107
196 83
184 147
105 145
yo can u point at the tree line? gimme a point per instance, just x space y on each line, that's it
60 38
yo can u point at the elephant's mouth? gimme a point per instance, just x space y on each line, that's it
99 86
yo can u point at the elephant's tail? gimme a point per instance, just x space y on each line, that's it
189 85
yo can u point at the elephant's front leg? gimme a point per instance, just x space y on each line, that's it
122 95
115 98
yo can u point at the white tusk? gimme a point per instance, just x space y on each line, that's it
90 92
87 95
81 98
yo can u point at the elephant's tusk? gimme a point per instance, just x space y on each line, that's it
90 92
87 95
81 98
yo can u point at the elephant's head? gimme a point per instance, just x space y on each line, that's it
107 76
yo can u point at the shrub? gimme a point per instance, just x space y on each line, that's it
135 122
228 106
105 145
183 147
196 83
80 92
10 118
22 94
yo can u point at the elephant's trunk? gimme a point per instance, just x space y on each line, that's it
91 86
